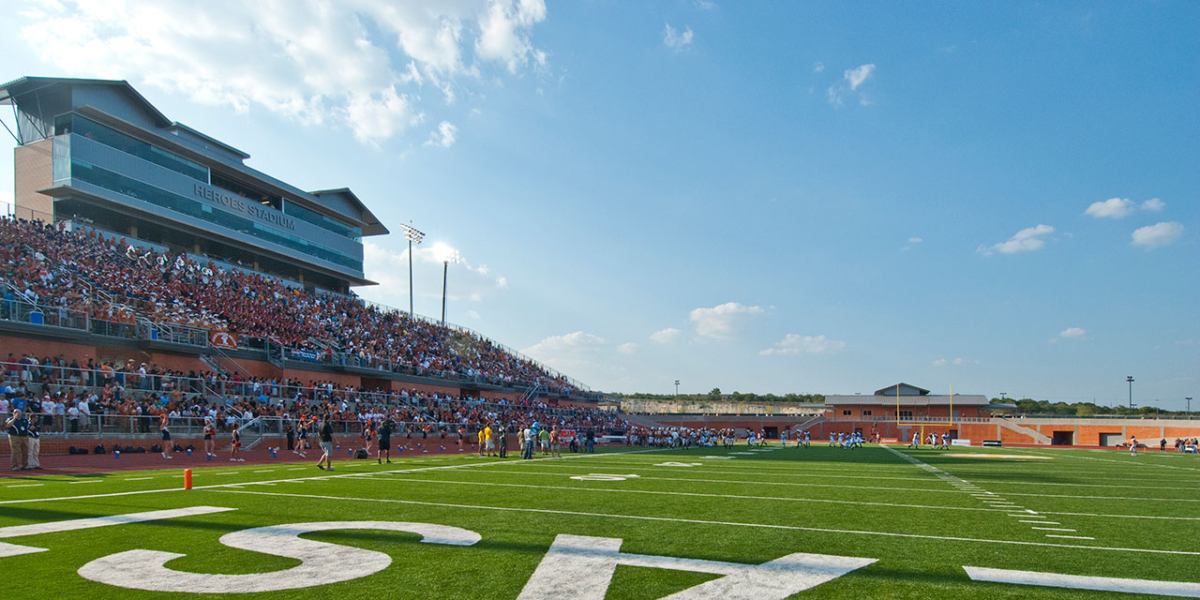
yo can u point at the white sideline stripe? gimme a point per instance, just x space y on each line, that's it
26 485
776 483
1180 589
1043 522
1070 537
804 470
298 468
301 480
137 478
266 471
707 522
589 490
92 522
78 482
1052 529
1123 462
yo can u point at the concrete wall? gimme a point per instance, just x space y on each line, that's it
33 170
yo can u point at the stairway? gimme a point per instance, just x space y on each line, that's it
1033 434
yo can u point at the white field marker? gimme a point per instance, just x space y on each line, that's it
1180 589
78 524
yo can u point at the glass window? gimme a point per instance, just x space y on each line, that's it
322 221
115 139
142 191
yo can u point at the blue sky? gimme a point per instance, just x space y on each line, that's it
783 197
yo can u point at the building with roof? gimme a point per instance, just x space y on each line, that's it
904 403
95 153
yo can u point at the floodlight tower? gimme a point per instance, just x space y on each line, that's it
413 235
1129 378
450 257
677 389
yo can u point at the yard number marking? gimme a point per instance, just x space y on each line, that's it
581 568
320 562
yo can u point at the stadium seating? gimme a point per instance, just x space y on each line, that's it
115 281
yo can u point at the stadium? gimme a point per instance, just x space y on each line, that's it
199 399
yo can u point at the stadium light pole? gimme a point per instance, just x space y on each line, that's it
1129 378
413 235
677 389
450 257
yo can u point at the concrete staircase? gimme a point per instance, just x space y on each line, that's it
1033 434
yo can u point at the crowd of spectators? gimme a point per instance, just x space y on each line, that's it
72 397
50 266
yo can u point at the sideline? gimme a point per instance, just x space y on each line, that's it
302 479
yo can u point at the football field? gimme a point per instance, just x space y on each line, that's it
822 522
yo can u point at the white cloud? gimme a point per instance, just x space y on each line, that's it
564 343
835 96
851 80
1113 208
915 240
818 67
1073 333
665 336
1154 204
1025 240
856 76
444 136
957 362
706 5
1159 234
793 344
724 320
473 315
675 40
628 348
504 32
358 64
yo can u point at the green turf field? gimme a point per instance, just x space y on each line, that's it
913 519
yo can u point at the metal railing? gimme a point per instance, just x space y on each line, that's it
187 427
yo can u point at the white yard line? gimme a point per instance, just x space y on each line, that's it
1069 537
136 478
708 522
1052 529
1182 589
739 481
299 480
25 485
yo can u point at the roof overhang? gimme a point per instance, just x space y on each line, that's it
371 223
26 85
